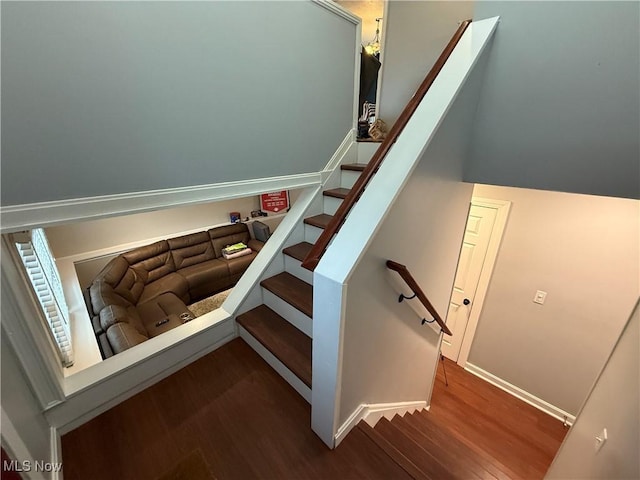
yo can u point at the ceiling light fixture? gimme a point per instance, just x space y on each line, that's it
373 47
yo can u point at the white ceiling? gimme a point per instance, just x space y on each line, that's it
368 10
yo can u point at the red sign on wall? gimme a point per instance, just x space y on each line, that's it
274 201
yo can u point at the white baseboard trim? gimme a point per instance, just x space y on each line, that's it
523 395
372 413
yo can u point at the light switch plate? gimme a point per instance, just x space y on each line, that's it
540 297
601 439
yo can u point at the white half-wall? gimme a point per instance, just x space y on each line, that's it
25 431
368 348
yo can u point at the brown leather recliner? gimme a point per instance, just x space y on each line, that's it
144 292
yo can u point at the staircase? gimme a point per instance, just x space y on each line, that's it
425 449
280 329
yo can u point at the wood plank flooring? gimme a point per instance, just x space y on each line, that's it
246 420
510 434
229 416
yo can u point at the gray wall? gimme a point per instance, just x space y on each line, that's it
612 404
22 408
112 97
387 355
584 251
416 33
560 106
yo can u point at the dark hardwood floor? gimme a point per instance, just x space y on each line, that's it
507 432
229 416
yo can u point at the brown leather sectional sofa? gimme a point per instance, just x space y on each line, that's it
145 292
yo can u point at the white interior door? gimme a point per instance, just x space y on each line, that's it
480 226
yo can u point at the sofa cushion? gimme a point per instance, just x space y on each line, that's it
191 249
173 282
239 264
228 235
123 336
205 272
160 308
112 314
255 245
154 259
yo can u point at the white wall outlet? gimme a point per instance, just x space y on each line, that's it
540 297
601 439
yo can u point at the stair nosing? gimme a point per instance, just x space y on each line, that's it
337 192
291 249
303 307
316 223
271 347
353 167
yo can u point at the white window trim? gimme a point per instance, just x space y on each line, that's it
43 275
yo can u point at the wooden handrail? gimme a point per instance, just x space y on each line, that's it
313 257
413 285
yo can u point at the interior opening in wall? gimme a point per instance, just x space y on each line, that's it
133 278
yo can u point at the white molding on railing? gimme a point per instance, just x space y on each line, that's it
338 10
47 214
23 326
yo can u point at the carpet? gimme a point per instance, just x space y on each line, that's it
192 467
209 304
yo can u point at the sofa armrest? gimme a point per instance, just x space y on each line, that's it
123 336
255 245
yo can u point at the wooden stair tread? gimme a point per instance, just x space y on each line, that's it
354 167
283 340
391 451
292 290
337 192
455 456
427 462
298 251
320 221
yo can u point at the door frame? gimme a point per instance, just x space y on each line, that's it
495 240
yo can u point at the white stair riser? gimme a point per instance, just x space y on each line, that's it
291 314
348 178
294 267
331 204
276 364
366 151
311 233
